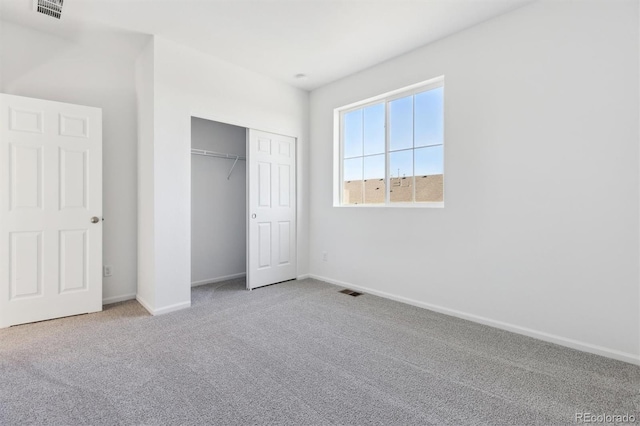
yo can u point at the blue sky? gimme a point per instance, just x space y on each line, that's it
364 135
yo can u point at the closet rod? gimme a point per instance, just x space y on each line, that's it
219 155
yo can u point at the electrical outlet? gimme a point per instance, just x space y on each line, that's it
325 256
107 270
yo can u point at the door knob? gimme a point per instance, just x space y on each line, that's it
253 216
95 220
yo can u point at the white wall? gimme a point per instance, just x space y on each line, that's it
218 204
144 76
96 71
540 229
189 83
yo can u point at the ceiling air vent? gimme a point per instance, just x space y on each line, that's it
51 8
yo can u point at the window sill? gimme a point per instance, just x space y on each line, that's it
427 205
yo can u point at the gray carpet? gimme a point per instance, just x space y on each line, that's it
296 353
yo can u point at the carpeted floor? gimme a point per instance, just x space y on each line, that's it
297 353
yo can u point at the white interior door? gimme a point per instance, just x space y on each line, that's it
50 210
271 183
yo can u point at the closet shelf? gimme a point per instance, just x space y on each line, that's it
206 153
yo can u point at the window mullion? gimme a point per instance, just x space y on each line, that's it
387 162
362 186
413 144
341 187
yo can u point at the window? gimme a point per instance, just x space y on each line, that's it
392 148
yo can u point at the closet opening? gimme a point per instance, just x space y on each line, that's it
218 204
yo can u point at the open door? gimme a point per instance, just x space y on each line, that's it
50 210
271 191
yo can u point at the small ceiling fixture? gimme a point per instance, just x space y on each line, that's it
300 76
51 8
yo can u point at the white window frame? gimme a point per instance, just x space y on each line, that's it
338 158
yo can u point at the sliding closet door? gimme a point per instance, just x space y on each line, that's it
271 247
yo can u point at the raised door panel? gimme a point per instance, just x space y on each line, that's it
25 265
264 184
284 148
73 260
74 126
264 146
73 179
25 177
284 185
284 242
264 245
25 120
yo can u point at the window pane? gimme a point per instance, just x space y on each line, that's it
401 123
429 168
401 176
429 115
352 172
374 184
353 134
429 161
374 129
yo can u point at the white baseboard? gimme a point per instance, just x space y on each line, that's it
116 299
172 308
303 276
164 310
144 304
217 280
540 335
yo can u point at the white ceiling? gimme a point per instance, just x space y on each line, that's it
324 39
